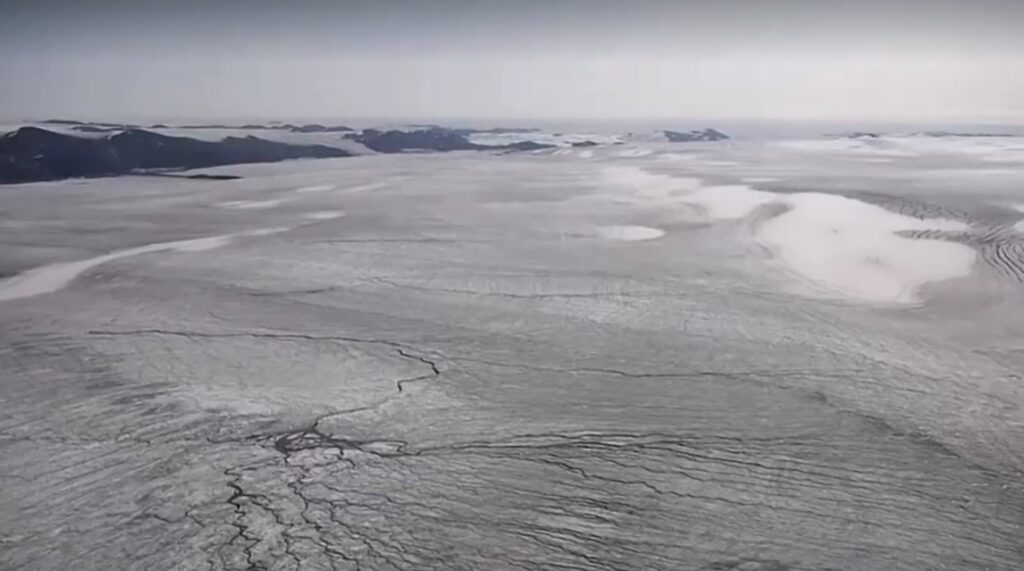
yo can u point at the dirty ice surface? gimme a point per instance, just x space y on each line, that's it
748 356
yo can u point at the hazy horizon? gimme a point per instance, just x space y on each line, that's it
908 62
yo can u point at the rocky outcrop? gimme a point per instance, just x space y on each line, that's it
62 122
32 154
856 135
430 139
695 136
315 128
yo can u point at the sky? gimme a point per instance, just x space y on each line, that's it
894 60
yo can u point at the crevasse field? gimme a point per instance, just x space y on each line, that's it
773 356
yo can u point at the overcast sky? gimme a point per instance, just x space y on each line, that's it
636 59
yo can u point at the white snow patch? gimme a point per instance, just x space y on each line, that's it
251 204
630 233
587 154
316 188
53 277
324 215
996 149
840 244
266 231
1019 225
879 147
636 152
852 248
729 202
365 187
648 185
196 245
676 157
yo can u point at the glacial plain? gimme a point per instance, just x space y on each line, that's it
711 356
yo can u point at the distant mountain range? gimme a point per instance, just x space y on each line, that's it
98 127
91 149
32 154
933 134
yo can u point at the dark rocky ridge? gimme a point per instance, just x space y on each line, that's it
856 135
315 128
308 128
72 122
32 154
695 136
431 139
99 126
200 176
527 146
